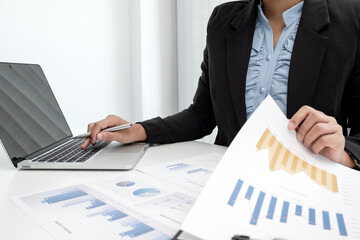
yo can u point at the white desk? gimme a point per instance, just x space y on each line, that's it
15 224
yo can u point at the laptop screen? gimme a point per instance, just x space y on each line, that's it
30 117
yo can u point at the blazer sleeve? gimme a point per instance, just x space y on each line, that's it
193 123
352 108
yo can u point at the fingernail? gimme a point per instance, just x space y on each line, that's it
299 137
100 136
291 125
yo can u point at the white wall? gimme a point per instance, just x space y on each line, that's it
154 58
135 58
83 47
193 17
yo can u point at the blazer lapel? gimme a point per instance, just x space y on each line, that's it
238 51
308 52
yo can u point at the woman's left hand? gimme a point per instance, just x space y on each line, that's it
321 134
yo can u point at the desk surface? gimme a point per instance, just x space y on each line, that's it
15 224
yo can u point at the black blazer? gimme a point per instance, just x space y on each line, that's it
324 72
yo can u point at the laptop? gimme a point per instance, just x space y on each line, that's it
36 135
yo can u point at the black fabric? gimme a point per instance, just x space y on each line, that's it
324 72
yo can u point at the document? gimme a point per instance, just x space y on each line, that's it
268 185
191 173
132 205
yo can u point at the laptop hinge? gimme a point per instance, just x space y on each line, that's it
15 161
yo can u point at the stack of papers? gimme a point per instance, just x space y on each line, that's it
132 205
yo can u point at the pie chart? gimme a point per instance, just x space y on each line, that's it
125 184
146 192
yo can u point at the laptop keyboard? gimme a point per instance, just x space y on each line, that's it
71 152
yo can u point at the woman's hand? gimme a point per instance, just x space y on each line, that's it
133 134
321 134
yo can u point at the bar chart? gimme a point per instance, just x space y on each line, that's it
178 167
199 170
185 167
191 173
281 158
96 217
265 209
269 185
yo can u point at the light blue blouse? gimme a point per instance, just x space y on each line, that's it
268 69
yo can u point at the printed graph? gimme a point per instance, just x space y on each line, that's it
281 158
171 209
199 170
146 192
125 184
176 202
74 205
269 206
185 168
178 167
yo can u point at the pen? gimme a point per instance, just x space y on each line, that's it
113 129
244 237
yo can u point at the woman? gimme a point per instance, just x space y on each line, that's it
305 54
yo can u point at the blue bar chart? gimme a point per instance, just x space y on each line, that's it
249 192
192 173
284 212
298 210
326 220
271 210
77 205
235 193
312 220
111 214
198 170
138 229
178 167
341 224
64 196
244 192
256 213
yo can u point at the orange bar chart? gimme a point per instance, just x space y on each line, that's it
280 158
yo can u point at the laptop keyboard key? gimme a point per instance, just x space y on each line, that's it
71 152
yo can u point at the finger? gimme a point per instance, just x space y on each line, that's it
330 141
107 136
120 136
85 143
318 130
98 126
90 126
313 118
298 117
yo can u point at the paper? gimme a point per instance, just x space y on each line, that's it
269 185
126 206
190 173
153 197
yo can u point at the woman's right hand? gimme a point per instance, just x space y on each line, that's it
133 134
